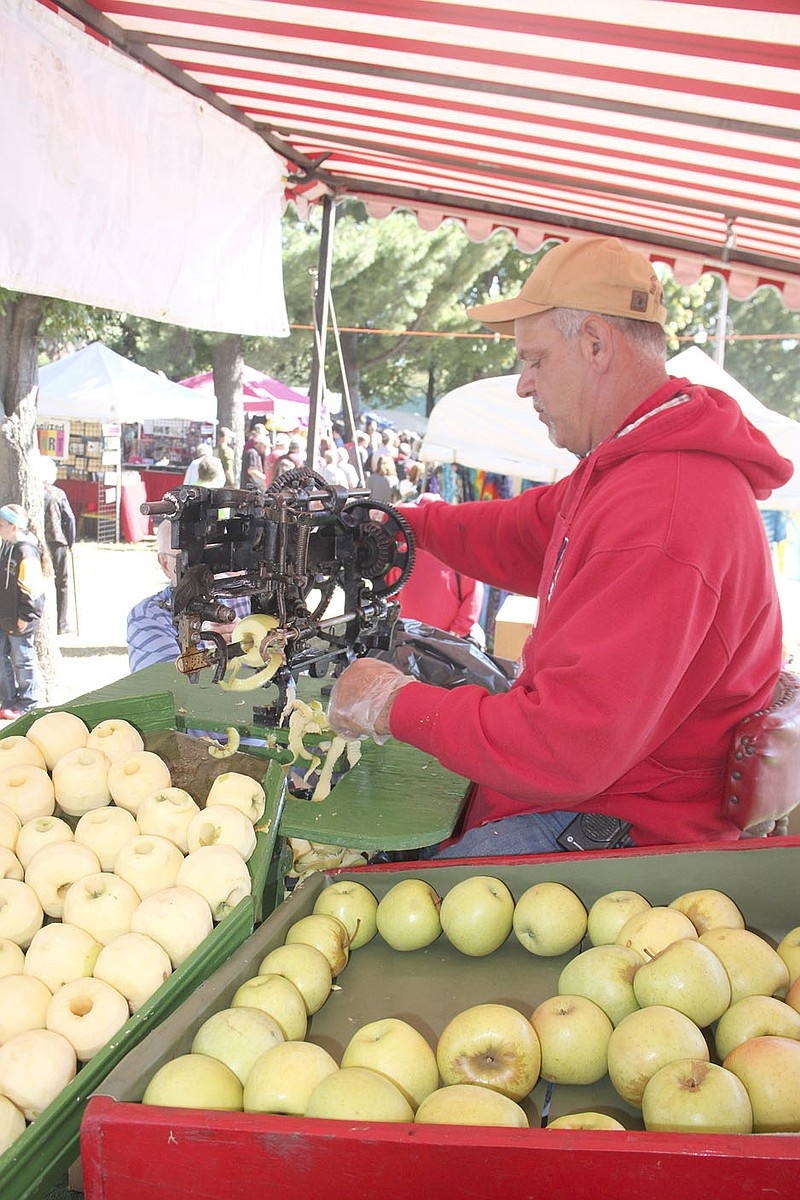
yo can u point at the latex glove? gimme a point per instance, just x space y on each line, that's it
362 697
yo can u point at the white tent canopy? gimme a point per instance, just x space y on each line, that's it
486 425
96 384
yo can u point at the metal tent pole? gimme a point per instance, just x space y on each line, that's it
322 291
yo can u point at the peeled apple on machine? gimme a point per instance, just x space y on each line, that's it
255 634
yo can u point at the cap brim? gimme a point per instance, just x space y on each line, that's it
500 316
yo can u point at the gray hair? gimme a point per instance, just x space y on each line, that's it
648 336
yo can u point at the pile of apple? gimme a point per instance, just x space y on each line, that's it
645 1003
109 879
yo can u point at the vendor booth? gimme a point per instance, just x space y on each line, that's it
278 405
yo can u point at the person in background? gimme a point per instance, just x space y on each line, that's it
291 460
224 452
659 625
24 563
383 484
211 473
59 532
254 459
202 452
151 635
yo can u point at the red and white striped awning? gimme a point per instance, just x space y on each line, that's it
671 123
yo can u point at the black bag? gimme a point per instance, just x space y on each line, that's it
435 656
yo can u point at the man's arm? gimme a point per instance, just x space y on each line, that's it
151 635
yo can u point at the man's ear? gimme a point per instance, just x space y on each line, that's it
597 341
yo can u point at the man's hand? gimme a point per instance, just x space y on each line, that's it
362 698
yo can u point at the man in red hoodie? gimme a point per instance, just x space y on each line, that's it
659 625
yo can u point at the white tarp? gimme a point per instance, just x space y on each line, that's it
96 384
488 426
120 190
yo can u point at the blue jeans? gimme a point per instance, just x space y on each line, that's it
18 678
527 833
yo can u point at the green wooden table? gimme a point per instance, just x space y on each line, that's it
395 798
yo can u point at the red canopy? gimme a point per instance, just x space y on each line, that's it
283 407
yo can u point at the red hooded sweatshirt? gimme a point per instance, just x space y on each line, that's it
659 625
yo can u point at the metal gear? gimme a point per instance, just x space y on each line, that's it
385 550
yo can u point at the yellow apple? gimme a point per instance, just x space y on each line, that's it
651 931
793 996
135 965
27 791
195 1081
644 1042
769 1067
695 1096
686 976
282 1079
477 915
470 1104
17 749
279 998
397 1050
603 974
357 1094
80 779
116 738
354 905
131 779
12 1123
87 1012
573 1034
326 934
610 912
35 1067
789 950
408 915
493 1045
55 734
549 919
754 1016
585 1120
237 1036
306 967
708 908
40 832
753 967
23 1005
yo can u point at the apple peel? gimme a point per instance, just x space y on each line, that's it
216 750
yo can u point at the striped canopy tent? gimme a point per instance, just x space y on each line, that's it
670 123
283 407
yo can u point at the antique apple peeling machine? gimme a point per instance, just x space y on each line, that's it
287 550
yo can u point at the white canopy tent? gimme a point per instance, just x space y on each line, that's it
488 426
96 384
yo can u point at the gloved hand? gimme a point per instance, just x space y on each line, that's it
362 697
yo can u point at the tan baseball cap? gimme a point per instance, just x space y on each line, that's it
599 275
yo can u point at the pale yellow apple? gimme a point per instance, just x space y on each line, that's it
686 976
397 1050
610 912
41 832
477 915
102 904
116 738
240 791
135 965
23 1005
549 919
282 1079
10 825
219 874
221 825
769 1067
87 1012
238 1037
21 912
603 974
195 1081
18 749
306 967
327 934
59 953
80 779
169 813
27 791
131 779
789 950
708 908
754 1016
793 996
149 864
12 1123
54 868
106 831
470 1104
573 1035
695 1096
753 967
10 866
177 918
12 958
493 1045
357 1094
354 905
279 998
651 931
56 733
585 1120
407 916
35 1067
647 1040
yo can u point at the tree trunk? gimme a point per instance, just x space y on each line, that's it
430 394
227 361
20 321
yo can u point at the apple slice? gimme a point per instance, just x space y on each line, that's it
87 1012
106 831
102 904
55 734
135 965
116 738
20 911
17 750
27 791
177 918
80 778
54 868
219 874
168 813
131 779
60 953
34 1068
149 864
23 1005
41 832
